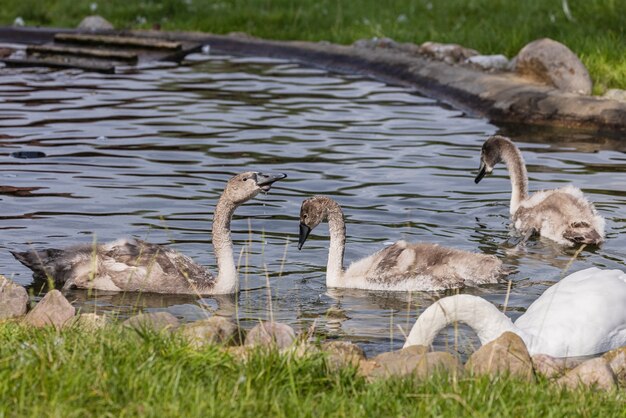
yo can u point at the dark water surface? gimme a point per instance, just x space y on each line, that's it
85 156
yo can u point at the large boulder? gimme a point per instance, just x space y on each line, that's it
53 310
214 330
592 373
553 63
154 321
271 335
13 299
505 354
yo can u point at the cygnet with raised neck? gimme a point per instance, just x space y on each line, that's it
583 314
133 265
563 215
401 266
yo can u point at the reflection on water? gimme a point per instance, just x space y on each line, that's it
147 155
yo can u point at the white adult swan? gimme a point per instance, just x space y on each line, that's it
583 314
563 215
135 265
401 266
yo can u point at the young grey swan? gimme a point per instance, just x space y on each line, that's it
564 215
582 314
401 266
133 265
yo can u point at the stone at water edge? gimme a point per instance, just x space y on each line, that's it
342 354
552 367
592 373
90 321
489 62
13 299
505 354
94 23
448 53
617 362
53 309
214 330
271 334
155 321
404 363
553 63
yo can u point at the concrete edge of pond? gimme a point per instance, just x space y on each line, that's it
500 97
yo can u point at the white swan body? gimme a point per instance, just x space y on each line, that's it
133 265
401 266
583 314
563 215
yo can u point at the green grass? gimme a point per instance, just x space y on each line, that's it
596 33
118 373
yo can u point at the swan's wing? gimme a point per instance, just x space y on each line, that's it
423 267
135 265
584 313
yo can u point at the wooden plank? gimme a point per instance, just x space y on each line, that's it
107 68
83 52
118 41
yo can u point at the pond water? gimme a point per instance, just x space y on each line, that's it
147 155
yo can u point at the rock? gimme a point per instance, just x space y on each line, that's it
420 366
53 309
155 321
90 321
94 23
617 362
449 53
214 330
342 354
595 372
553 63
408 352
615 94
505 354
489 62
13 299
552 367
238 352
271 334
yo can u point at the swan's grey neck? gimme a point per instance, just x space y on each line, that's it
337 230
514 161
483 317
227 280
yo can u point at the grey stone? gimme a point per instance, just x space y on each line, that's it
592 373
214 330
94 23
13 299
617 362
505 354
155 321
53 310
420 366
552 367
553 63
271 334
615 94
489 62
342 354
448 53
90 321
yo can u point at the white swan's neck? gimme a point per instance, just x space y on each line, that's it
514 161
483 317
337 230
227 280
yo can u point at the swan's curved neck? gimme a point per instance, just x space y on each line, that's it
227 280
337 230
514 161
483 317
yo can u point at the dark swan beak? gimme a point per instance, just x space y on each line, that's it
265 180
304 234
481 172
